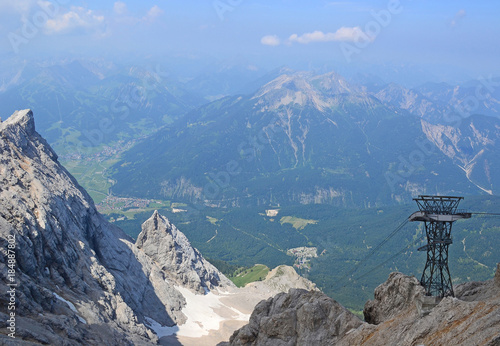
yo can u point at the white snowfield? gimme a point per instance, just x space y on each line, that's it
204 313
214 316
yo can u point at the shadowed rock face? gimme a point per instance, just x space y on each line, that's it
66 251
171 250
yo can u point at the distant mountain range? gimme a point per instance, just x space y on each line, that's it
444 103
306 138
289 137
82 104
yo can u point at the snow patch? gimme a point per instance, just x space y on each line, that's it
203 312
71 306
160 330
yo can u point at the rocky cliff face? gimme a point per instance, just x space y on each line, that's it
399 293
311 318
79 279
298 317
472 145
472 318
171 250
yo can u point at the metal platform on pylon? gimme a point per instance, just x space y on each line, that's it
438 214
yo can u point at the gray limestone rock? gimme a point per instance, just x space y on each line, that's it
76 273
473 318
311 318
397 294
171 250
299 317
479 291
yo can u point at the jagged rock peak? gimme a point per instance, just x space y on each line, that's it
80 279
23 119
333 83
172 251
392 297
298 317
19 131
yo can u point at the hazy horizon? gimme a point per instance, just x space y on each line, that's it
447 41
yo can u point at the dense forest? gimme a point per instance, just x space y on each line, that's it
242 237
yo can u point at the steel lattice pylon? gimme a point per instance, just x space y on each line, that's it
438 214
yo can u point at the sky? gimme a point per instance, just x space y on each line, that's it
455 34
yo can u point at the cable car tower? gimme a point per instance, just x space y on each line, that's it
438 214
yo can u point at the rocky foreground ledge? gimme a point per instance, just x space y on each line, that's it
311 318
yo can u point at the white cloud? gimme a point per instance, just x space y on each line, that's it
458 17
270 40
354 34
77 17
124 17
154 12
120 8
